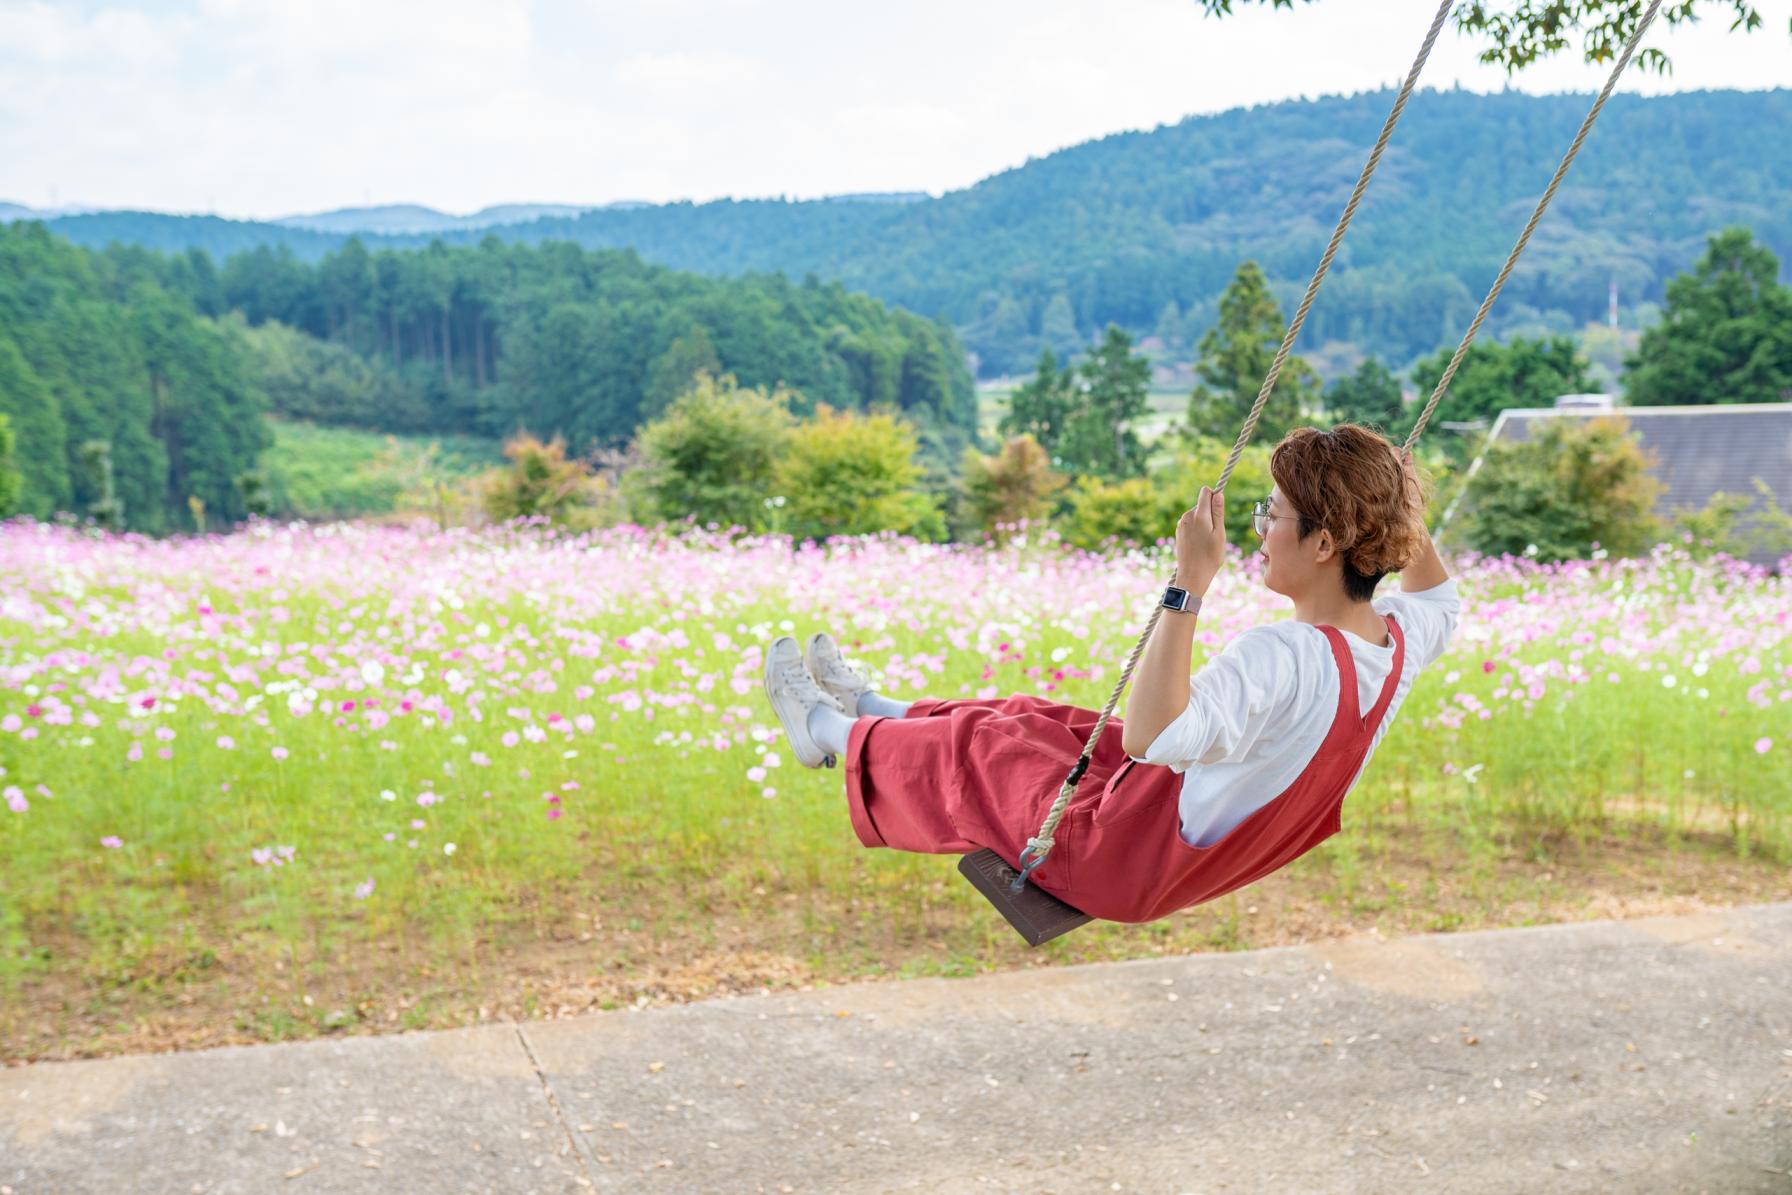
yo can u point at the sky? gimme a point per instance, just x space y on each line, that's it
261 108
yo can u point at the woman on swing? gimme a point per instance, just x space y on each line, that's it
1211 782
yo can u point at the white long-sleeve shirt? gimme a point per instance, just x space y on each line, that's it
1259 711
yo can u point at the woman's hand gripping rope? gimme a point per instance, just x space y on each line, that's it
1201 542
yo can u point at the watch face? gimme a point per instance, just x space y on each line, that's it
1175 598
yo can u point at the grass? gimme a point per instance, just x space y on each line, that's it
318 472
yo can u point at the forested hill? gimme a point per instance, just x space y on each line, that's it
1144 229
135 381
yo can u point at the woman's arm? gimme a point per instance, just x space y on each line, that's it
1425 572
1160 689
1160 684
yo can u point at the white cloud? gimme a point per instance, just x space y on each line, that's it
262 107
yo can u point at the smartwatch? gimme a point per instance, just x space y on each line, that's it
1176 598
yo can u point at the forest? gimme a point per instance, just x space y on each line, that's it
1144 229
135 381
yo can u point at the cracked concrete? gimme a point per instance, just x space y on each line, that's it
1638 1056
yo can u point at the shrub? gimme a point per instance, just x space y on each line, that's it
1726 524
1017 483
1144 510
539 482
712 455
1571 486
852 474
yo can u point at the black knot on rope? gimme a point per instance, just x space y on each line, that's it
1076 773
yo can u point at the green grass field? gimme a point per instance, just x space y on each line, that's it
317 472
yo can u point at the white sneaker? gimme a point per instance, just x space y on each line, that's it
793 693
830 670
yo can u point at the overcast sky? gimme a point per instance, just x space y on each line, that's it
255 108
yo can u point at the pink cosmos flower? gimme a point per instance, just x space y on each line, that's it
111 842
1763 745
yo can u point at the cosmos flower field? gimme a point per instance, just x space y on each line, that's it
338 733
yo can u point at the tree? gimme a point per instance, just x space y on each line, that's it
1110 395
1236 354
36 424
1370 396
1571 486
1057 325
849 474
1016 484
1516 33
1041 406
673 371
10 482
1725 334
1495 377
712 456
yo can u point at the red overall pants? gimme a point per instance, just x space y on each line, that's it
950 777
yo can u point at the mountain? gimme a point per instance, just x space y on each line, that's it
1144 229
18 211
410 218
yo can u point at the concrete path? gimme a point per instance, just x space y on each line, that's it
1639 1056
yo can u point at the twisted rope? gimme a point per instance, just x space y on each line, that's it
1040 845
1586 126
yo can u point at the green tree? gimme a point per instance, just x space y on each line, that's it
1498 377
1370 396
712 456
1057 325
10 483
1236 354
37 426
1517 33
1725 334
849 474
1110 394
1573 485
1042 406
673 371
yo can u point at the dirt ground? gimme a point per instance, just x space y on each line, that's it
243 992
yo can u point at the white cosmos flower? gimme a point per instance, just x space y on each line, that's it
373 672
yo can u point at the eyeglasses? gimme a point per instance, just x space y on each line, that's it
1260 516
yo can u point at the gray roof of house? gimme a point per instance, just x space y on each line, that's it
1699 450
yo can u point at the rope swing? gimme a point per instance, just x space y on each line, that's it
1040 916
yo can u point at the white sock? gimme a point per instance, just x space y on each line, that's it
873 705
829 728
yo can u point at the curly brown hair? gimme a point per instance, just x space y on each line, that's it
1353 482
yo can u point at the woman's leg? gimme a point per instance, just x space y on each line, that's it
876 705
830 729
954 775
